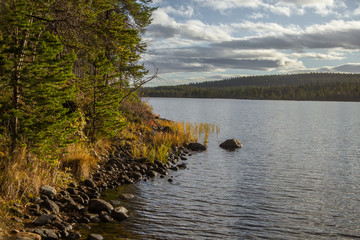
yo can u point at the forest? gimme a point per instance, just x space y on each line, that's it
309 86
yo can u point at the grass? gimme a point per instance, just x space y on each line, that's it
177 134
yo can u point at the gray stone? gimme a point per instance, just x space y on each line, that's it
51 206
126 196
98 205
95 237
119 213
231 144
196 147
44 219
48 191
47 234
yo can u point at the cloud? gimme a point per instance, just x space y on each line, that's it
345 68
257 15
280 7
320 56
229 4
336 34
269 28
187 11
164 26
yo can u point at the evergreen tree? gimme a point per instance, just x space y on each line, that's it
35 75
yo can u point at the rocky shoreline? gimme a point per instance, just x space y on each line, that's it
59 214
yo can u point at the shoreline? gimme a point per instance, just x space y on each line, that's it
60 214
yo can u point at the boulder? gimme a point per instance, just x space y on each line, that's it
89 183
126 196
51 206
95 237
98 205
47 234
119 213
196 147
48 191
231 144
44 219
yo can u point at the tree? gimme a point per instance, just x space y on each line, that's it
35 76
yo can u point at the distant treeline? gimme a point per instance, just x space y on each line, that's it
310 86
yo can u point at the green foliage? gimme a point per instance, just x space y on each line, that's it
35 73
58 51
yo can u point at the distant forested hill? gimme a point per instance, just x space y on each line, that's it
309 86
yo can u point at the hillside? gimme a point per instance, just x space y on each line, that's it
310 86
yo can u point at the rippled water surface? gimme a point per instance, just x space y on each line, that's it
297 176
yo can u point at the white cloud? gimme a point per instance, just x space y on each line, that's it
266 28
357 10
229 4
187 11
316 55
164 26
281 7
257 15
335 34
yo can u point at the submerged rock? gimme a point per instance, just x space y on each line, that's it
119 213
231 144
196 147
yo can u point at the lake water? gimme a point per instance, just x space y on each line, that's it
297 176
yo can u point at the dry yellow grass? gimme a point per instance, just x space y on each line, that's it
78 160
177 134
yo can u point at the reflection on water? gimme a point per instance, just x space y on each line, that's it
297 176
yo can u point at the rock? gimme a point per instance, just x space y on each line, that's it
48 191
119 213
231 144
181 166
196 147
47 234
89 183
34 208
105 217
27 236
74 235
62 225
44 219
71 190
95 237
51 206
126 196
115 203
167 129
151 173
98 205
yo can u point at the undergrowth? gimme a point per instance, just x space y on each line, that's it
145 136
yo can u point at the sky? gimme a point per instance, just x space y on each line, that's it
192 41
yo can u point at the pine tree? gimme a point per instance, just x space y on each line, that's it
35 73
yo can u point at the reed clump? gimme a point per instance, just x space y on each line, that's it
172 134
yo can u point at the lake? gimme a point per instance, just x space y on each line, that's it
296 177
